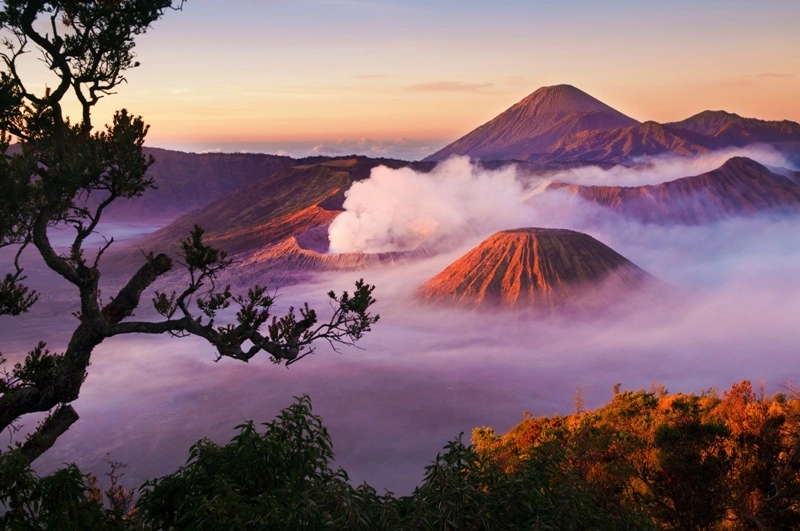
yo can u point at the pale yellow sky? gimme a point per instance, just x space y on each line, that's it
256 75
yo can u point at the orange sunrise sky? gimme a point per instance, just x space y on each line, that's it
403 78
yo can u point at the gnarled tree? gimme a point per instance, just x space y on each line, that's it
66 174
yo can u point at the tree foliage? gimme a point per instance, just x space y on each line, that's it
708 461
65 173
280 478
643 461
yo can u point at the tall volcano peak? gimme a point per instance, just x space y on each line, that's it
535 123
564 99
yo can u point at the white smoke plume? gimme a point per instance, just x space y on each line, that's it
398 210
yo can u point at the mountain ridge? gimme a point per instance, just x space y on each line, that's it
561 123
739 187
646 139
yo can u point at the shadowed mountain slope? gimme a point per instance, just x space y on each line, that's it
536 268
622 145
534 124
284 204
186 181
728 129
739 187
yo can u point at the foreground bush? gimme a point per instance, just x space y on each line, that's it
646 460
280 478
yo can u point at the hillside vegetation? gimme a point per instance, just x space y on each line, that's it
645 460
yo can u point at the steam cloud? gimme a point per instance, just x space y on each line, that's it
398 210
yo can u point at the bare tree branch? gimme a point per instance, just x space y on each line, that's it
48 432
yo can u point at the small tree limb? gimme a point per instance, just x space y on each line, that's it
48 432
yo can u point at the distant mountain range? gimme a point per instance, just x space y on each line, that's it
563 123
272 213
551 129
279 222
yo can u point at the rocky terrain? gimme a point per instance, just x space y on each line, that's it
538 268
740 187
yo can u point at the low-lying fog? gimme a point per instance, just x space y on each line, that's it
425 374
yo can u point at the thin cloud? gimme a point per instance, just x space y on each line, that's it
371 76
777 76
449 86
401 148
